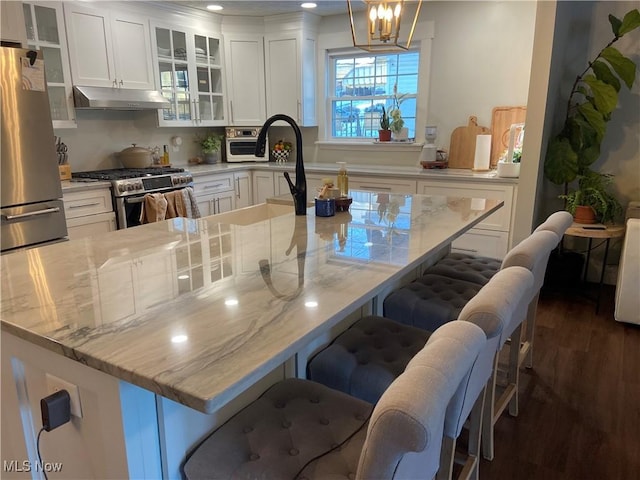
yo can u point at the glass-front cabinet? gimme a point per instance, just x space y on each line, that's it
190 76
44 23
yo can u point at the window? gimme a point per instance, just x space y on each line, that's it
360 85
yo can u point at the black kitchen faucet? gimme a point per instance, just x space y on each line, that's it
299 190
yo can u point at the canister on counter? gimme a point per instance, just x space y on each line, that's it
325 207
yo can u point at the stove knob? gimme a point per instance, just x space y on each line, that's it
121 188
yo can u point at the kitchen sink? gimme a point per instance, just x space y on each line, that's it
254 214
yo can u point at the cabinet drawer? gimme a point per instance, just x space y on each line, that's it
212 184
501 220
90 202
91 225
382 184
483 243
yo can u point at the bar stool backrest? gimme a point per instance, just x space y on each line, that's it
404 437
533 254
492 309
557 222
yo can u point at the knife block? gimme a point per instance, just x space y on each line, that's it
65 172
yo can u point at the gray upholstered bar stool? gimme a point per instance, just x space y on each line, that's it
301 429
364 360
532 253
479 269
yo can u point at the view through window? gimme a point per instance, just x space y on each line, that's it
362 84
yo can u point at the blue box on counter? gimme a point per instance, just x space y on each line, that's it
325 207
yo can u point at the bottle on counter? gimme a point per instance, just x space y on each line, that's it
343 179
165 155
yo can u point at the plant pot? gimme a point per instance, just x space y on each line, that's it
508 169
384 135
402 135
211 157
584 214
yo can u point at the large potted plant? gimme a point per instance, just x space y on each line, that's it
593 98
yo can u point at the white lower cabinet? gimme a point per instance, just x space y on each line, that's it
271 184
376 184
91 225
263 186
242 189
89 212
214 193
491 237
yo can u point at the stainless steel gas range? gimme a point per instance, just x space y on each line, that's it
130 185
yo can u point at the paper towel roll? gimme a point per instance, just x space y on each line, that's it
483 153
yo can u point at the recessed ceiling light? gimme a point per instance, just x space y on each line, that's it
308 5
214 8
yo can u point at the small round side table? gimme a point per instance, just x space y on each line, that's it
599 231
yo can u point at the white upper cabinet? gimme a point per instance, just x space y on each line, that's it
12 23
108 48
44 24
189 74
290 67
245 78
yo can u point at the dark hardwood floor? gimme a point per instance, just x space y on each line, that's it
580 404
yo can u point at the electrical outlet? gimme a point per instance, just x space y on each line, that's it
55 384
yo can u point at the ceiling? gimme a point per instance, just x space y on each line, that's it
264 8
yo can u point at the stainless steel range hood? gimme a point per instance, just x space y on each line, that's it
118 98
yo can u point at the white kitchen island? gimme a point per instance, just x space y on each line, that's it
169 328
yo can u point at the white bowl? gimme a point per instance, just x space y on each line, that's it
508 169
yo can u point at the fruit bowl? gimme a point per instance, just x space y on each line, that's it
280 155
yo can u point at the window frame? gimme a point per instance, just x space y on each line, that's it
331 57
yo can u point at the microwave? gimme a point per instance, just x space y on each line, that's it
240 144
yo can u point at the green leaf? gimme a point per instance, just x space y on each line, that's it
594 118
587 156
631 21
623 66
604 73
561 162
605 96
615 24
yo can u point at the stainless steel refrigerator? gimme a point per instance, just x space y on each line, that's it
32 212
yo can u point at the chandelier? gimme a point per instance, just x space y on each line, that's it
383 19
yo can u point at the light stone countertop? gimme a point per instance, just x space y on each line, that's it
233 287
414 173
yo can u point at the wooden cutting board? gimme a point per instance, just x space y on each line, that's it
462 148
501 120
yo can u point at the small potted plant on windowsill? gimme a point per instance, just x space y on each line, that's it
398 130
210 147
384 134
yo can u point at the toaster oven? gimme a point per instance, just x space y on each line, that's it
240 144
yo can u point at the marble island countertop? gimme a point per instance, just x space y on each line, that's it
198 310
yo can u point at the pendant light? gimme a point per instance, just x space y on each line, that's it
383 20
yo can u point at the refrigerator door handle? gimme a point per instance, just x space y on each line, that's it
31 214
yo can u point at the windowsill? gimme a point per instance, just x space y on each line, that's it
369 145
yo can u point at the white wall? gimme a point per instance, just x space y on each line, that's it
480 58
101 133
